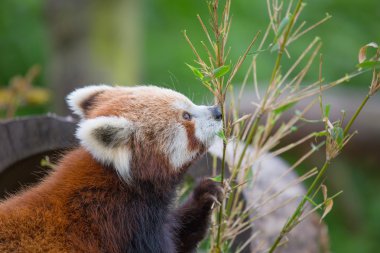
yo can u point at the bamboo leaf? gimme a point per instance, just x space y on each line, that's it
368 64
328 202
196 71
324 192
249 178
217 178
328 207
320 134
363 51
337 134
283 108
293 129
221 135
281 27
221 71
327 110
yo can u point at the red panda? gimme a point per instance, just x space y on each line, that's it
115 192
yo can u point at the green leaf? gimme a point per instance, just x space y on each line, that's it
320 134
338 135
281 27
283 108
196 71
221 135
221 71
327 110
293 129
363 51
217 178
368 64
284 22
249 177
205 244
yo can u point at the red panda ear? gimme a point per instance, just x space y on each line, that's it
81 100
106 138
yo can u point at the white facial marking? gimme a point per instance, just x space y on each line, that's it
206 128
177 149
113 151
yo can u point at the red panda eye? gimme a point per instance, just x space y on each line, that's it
186 116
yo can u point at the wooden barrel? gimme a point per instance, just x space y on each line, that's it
24 142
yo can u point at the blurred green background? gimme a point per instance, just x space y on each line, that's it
140 41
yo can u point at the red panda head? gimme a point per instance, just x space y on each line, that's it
121 124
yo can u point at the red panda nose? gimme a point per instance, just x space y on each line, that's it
216 113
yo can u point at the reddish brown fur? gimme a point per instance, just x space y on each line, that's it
83 206
52 216
194 144
133 105
136 106
47 206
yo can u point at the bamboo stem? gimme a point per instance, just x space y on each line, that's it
347 128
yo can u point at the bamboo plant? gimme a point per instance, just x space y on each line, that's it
264 128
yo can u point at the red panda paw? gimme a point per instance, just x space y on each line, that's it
208 194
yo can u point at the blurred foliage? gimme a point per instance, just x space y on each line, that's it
355 224
23 39
20 93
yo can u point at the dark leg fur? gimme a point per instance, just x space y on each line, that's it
193 216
